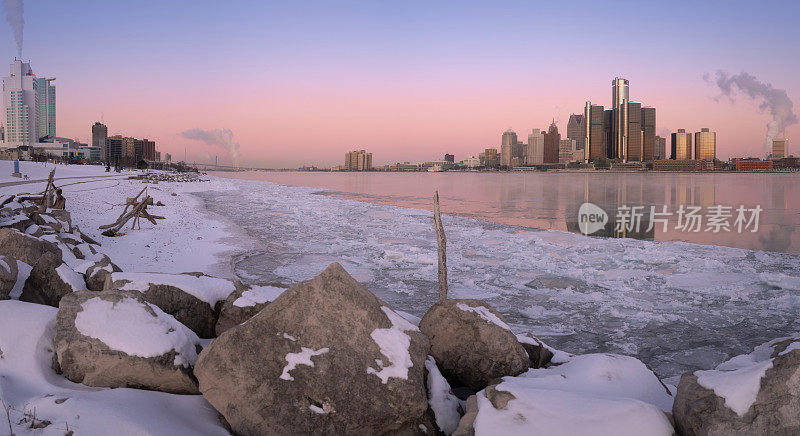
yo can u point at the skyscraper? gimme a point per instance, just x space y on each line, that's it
21 104
648 133
705 144
551 139
358 160
594 132
47 107
633 151
99 135
535 153
681 145
507 147
779 148
490 158
576 130
660 151
620 94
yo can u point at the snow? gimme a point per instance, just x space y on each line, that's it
209 289
258 295
484 313
551 412
394 345
301 358
128 326
317 409
739 387
70 277
558 355
4 264
27 382
442 401
413 319
23 272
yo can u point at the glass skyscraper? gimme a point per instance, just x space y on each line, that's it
47 107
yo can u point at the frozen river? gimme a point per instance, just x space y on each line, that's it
675 305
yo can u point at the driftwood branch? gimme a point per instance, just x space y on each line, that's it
47 194
441 242
86 238
112 229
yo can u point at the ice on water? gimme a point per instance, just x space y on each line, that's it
674 305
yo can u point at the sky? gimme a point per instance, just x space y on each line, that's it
301 83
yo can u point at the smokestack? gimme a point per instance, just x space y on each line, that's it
14 10
775 100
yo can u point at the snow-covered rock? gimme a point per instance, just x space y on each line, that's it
599 394
50 280
472 343
243 303
96 269
26 248
326 357
755 393
441 399
117 339
8 276
28 383
191 299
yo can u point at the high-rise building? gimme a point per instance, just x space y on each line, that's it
21 104
633 152
99 135
648 133
565 149
114 149
594 135
660 150
47 107
490 158
449 158
705 144
551 139
681 145
620 94
507 147
534 154
358 160
576 130
780 148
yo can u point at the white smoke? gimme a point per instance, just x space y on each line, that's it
14 10
775 100
222 138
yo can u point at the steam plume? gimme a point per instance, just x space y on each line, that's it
775 100
14 9
222 138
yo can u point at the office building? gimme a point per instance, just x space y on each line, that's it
358 160
752 164
565 149
471 162
551 141
705 145
490 158
576 130
780 148
99 135
594 135
507 145
449 158
660 150
21 104
47 108
534 153
683 165
648 133
633 136
620 93
114 147
681 145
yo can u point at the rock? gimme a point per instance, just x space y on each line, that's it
100 269
63 216
326 357
191 299
17 221
50 280
471 343
466 427
8 276
443 404
751 394
116 339
243 304
24 247
540 356
48 220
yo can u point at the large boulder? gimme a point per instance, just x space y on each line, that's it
24 247
243 304
191 298
326 357
97 269
50 280
117 339
751 394
471 343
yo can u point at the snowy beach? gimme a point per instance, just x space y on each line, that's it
676 307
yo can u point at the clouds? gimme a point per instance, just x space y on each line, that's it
774 100
222 138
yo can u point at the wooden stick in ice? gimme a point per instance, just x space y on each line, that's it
442 247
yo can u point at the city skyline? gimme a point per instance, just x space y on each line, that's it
406 82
